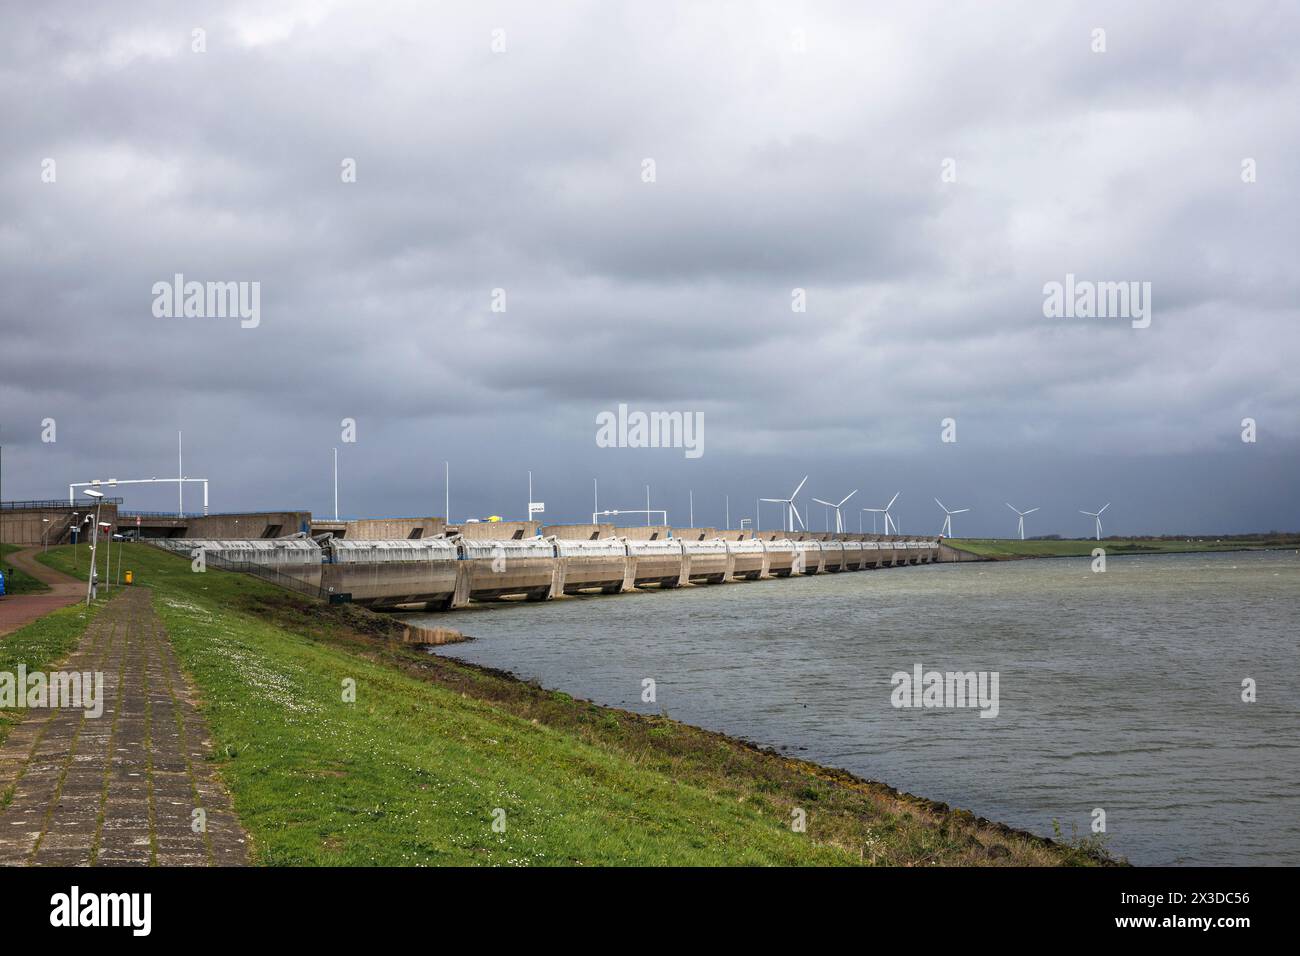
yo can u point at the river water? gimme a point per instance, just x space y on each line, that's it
1119 690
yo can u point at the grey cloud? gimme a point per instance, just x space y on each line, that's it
775 170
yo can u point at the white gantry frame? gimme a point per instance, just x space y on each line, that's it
114 482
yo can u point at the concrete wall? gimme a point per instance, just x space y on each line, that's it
431 583
27 526
578 532
695 534
497 530
380 529
947 553
655 532
372 529
252 524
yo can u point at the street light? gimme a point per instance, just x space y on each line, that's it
94 543
45 541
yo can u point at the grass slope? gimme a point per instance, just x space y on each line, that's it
1003 548
17 581
40 646
414 770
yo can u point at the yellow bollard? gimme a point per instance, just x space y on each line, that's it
129 577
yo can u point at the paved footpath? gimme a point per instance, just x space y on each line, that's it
120 789
18 610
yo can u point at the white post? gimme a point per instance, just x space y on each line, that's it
595 500
205 496
336 484
180 476
446 490
647 506
692 494
727 499
530 496
94 544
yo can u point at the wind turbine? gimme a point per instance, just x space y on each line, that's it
792 513
1096 515
1021 524
839 518
885 511
946 530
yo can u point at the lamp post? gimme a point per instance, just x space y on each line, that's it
94 543
45 534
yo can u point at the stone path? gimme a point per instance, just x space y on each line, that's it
119 789
18 610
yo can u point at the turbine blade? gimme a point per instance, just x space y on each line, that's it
959 511
1031 511
801 484
797 515
936 501
1012 507
826 503
1104 507
847 497
892 500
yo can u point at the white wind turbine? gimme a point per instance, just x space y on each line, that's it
1097 516
946 530
1021 525
792 513
885 511
839 518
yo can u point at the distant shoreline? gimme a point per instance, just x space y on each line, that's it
997 549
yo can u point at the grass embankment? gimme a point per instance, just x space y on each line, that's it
413 771
1008 548
16 580
40 646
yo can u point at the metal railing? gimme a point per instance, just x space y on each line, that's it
54 505
195 514
260 571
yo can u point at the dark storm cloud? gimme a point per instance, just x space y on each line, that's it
775 170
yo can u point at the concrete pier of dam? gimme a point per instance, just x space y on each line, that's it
490 561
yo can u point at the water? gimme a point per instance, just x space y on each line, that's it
1119 690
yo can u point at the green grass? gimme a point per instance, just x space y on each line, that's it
39 646
1003 548
16 581
412 772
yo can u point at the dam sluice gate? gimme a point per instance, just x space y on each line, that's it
452 569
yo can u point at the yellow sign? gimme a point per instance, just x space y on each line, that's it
494 518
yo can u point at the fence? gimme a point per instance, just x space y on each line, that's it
54 505
260 571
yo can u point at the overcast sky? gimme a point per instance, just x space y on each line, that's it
794 147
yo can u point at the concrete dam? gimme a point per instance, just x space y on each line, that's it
500 560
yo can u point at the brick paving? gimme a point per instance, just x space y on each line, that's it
120 789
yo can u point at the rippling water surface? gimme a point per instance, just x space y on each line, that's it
1119 690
